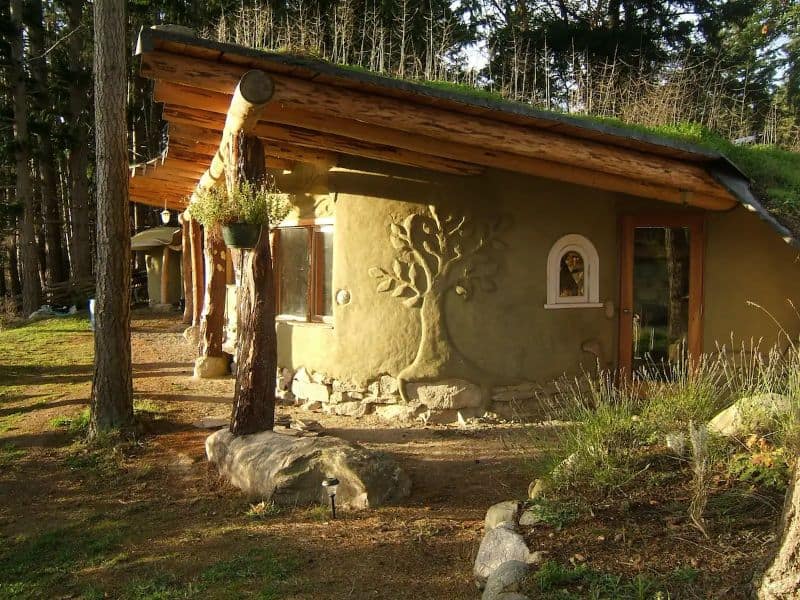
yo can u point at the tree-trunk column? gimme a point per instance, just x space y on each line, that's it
164 299
257 342
186 269
198 271
212 362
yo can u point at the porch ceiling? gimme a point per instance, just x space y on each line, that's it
318 112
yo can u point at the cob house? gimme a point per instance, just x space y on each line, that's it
453 254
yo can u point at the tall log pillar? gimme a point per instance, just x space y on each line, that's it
211 360
164 291
257 343
186 269
198 271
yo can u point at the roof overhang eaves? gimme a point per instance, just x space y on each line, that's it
518 113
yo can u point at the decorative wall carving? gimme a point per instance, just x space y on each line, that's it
435 255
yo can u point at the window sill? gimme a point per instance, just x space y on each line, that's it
574 305
302 322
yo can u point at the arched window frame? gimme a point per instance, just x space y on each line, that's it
574 242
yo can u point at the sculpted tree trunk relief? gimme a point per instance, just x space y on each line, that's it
436 255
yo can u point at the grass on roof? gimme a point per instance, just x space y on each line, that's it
775 173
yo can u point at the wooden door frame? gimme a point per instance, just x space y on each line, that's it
696 222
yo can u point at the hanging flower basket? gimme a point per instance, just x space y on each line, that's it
243 236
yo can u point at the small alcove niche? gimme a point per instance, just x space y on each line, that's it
573 274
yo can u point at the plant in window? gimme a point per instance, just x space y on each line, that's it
242 211
437 255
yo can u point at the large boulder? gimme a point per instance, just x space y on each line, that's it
499 545
289 470
753 414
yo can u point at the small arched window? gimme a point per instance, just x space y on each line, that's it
573 274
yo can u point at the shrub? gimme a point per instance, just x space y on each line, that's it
255 203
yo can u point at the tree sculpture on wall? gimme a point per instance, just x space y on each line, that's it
434 256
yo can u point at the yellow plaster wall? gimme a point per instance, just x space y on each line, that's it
508 333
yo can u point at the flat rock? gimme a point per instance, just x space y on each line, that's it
446 395
501 512
212 422
402 413
753 414
507 578
499 545
289 470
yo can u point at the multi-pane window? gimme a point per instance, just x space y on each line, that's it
304 261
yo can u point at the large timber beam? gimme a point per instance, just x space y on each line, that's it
347 136
333 102
250 96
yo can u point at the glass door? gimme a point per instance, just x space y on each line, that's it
661 291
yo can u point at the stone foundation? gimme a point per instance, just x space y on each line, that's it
442 402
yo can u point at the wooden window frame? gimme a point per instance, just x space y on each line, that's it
316 274
696 223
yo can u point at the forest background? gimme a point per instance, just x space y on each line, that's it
721 68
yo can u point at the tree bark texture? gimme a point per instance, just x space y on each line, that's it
78 163
198 271
257 343
186 270
112 390
56 267
782 579
214 304
31 285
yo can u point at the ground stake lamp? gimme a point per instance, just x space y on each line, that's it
330 485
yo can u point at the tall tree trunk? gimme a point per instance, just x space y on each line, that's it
782 579
80 247
257 343
112 390
31 287
13 267
56 270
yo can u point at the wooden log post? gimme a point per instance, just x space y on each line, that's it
257 343
198 271
186 270
164 290
211 360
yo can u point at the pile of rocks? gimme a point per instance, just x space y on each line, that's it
441 402
504 560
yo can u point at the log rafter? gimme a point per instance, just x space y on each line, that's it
649 172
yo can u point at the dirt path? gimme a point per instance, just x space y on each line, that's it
169 517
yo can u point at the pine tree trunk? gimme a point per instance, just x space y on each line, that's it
78 164
31 286
112 390
13 268
257 342
782 579
56 269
